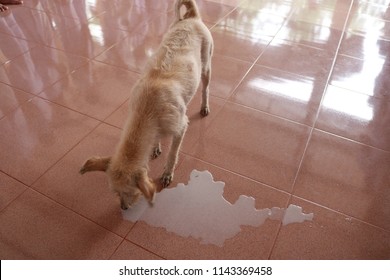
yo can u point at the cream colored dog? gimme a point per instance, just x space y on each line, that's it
158 106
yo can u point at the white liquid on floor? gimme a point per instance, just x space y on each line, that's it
199 210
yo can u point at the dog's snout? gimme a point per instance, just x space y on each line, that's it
124 207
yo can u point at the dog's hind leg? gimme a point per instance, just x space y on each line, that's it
206 75
167 177
205 108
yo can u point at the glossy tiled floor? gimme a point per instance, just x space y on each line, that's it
300 101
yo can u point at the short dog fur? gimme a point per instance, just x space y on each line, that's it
158 106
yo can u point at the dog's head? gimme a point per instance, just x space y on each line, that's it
128 184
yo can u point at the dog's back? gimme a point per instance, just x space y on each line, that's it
172 76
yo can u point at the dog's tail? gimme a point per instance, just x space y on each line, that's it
192 9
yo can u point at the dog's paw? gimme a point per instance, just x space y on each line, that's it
204 111
156 152
166 179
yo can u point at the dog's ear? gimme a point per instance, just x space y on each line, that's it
146 185
95 164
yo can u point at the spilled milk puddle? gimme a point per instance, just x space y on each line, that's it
199 210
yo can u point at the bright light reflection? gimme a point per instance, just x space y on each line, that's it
365 80
53 24
88 5
357 107
149 52
318 34
97 33
290 89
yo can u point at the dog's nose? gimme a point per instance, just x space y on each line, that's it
124 206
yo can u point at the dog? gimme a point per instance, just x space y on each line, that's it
158 106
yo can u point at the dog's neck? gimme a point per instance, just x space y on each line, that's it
137 142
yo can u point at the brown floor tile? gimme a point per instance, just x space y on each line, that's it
9 189
325 13
161 6
37 135
356 116
364 76
133 52
198 125
88 40
330 236
95 89
280 8
12 47
34 25
293 58
119 117
226 74
254 144
11 98
80 10
280 93
126 16
309 34
252 22
54 232
365 47
137 47
230 42
213 11
129 251
39 68
88 194
346 176
369 18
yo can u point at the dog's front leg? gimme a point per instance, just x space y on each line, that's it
156 149
167 177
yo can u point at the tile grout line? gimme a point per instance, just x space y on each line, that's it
21 54
29 188
352 141
137 245
360 93
226 100
17 180
62 76
236 173
71 148
312 128
343 214
322 98
74 212
225 16
254 64
282 191
116 249
66 153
